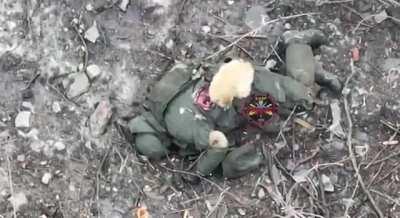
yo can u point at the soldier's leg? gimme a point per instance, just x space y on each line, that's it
148 141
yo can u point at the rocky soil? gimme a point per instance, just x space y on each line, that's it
73 72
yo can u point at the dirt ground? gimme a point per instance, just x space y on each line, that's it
67 66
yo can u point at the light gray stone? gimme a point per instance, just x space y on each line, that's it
79 86
23 119
100 118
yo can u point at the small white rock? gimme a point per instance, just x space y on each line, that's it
328 186
59 146
206 29
92 33
21 158
288 26
380 17
241 211
271 63
89 7
169 44
261 193
79 86
93 71
23 119
75 21
123 5
231 2
56 107
147 188
100 118
46 178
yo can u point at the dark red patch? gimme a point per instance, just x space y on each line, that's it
259 109
202 99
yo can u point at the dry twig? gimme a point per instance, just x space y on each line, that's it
219 200
11 186
254 31
350 145
233 196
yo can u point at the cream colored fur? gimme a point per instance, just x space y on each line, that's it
233 79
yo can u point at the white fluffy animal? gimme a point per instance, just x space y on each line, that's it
233 79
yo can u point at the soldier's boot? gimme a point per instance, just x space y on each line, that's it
241 161
300 61
211 160
215 154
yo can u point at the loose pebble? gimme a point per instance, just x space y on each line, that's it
93 71
56 107
59 146
79 86
21 158
242 212
100 118
23 119
46 178
261 193
92 33
123 5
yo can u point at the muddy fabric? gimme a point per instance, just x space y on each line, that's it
312 37
241 161
211 160
300 63
185 122
285 90
171 84
148 140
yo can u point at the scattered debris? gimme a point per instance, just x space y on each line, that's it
100 118
393 142
304 124
23 119
301 175
92 33
336 127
